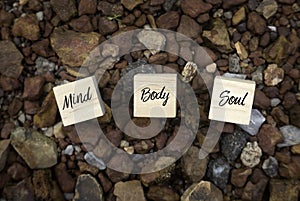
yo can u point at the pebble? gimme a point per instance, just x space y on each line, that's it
275 102
239 16
43 65
169 20
211 68
110 49
146 37
161 192
129 190
228 15
270 166
91 159
257 75
33 87
27 27
291 136
251 154
4 148
234 63
273 75
40 16
232 75
45 149
239 176
59 7
49 132
131 4
57 130
218 172
256 23
194 7
281 189
268 137
256 120
68 150
87 7
189 71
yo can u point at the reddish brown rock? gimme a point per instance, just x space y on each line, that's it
239 176
279 116
33 87
268 137
65 9
194 7
115 137
65 180
229 4
254 191
107 26
282 190
168 20
189 27
261 100
110 9
7 129
160 58
286 1
162 193
31 107
18 171
14 107
6 18
4 150
290 170
82 24
256 23
42 48
87 7
273 75
289 100
105 182
9 84
27 27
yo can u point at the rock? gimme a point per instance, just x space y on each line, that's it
232 144
37 150
91 159
159 58
218 36
47 115
218 13
152 40
241 50
291 135
290 170
239 176
204 190
131 4
107 116
268 137
130 190
87 7
65 9
4 148
18 171
218 172
256 23
229 4
270 166
192 167
261 100
162 193
73 47
295 115
239 16
14 107
211 68
189 27
281 190
279 116
33 87
169 20
194 7
68 150
27 27
110 9
82 24
273 75
65 180
107 26
289 100
268 8
110 49
10 59
256 120
20 192
189 71
251 154
157 177
257 75
88 189
255 191
9 84
234 64
6 18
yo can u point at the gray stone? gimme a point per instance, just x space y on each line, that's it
232 144
130 190
152 40
256 120
257 75
234 63
37 150
270 166
291 136
251 154
275 102
218 172
4 147
94 161
88 189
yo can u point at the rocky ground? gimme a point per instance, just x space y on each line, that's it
42 43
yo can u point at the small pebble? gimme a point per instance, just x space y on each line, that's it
211 68
40 16
69 150
251 154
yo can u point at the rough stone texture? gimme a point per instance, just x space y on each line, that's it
229 4
33 87
4 148
204 190
251 154
270 166
37 150
162 193
194 7
282 190
10 59
168 20
123 191
239 16
268 8
65 180
72 47
261 100
295 115
194 168
189 27
88 189
256 23
131 4
273 75
239 176
218 172
65 9
82 24
87 7
27 27
218 36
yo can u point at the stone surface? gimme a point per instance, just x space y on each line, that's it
281 190
194 7
91 159
189 27
257 75
295 115
239 176
168 20
131 4
270 166
4 148
189 71
218 36
218 172
27 27
72 47
33 87
18 171
82 24
267 8
241 50
254 191
162 193
251 154
256 23
234 63
130 190
239 16
65 180
87 7
88 189
37 150
65 9
256 120
229 4
268 137
204 190
261 101
107 26
273 75
194 168
291 135
147 37
232 144
10 59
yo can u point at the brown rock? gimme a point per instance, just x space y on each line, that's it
22 191
131 4
279 116
65 180
239 176
292 169
42 48
115 137
254 191
27 27
268 137
228 4
286 85
14 107
295 115
18 171
4 149
256 23
6 18
31 107
189 27
107 26
65 9
160 58
105 182
261 100
109 9
194 7
128 20
124 191
9 84
73 47
47 115
282 190
33 87
168 20
87 7
10 59
273 75
7 129
162 193
286 1
289 100
82 24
